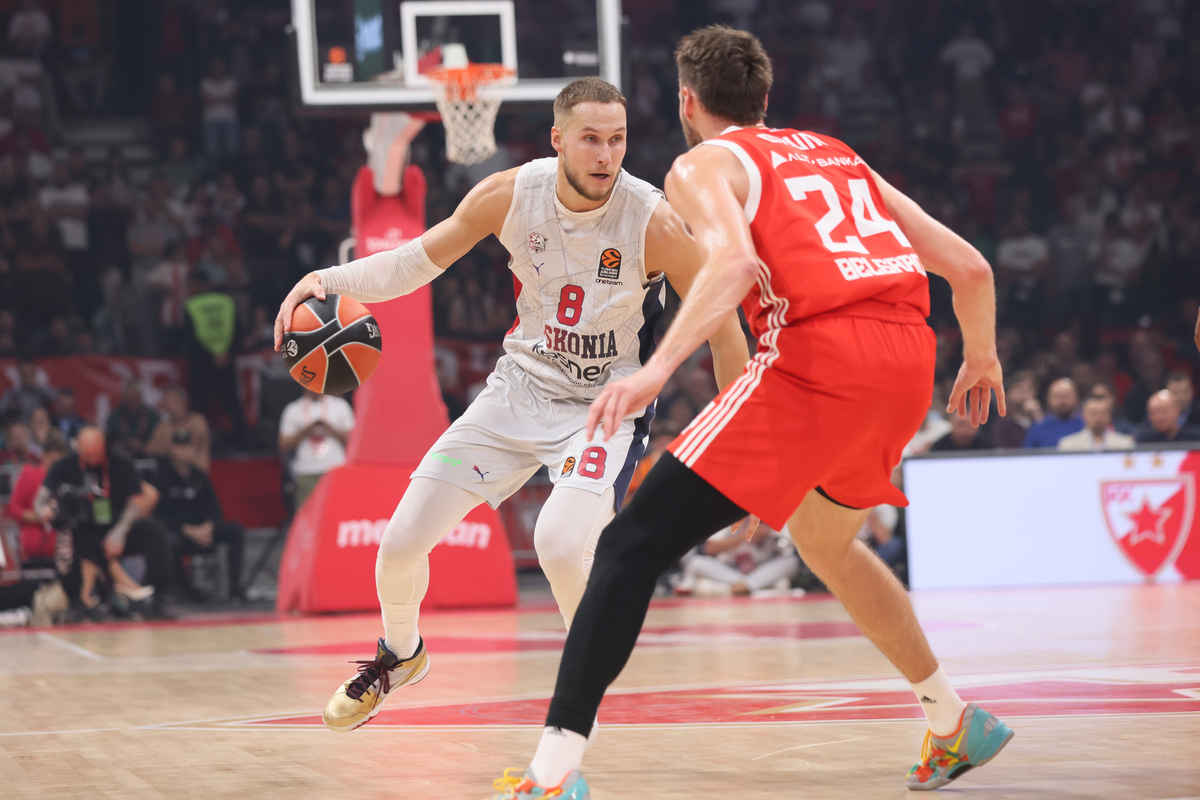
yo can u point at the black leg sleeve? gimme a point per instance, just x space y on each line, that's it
234 537
673 511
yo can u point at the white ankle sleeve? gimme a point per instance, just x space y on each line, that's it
382 276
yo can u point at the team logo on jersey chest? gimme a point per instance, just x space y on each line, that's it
610 265
537 243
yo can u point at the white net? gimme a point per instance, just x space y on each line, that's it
468 101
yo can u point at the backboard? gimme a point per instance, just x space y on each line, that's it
372 54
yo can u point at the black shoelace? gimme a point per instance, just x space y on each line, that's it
368 673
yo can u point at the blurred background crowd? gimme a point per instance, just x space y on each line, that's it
1059 137
141 186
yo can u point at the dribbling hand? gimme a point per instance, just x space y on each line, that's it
309 286
972 393
621 398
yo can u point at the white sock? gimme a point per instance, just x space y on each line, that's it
400 628
400 619
559 752
941 704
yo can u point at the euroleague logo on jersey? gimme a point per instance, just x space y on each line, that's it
610 265
568 467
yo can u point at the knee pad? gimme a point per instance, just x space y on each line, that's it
567 526
556 556
399 547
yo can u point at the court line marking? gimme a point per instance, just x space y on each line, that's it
241 727
813 744
248 721
381 729
58 733
78 650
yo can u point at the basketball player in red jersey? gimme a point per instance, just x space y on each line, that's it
828 262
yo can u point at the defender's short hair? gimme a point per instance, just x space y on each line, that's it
584 90
728 70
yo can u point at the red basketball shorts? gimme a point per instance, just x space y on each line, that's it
831 405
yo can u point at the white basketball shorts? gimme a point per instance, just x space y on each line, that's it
511 430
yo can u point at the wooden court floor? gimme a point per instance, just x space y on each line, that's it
722 699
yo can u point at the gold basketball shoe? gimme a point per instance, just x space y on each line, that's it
360 698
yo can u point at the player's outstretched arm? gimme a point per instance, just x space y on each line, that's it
672 250
707 188
394 273
945 253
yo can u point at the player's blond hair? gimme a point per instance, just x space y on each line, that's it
728 70
584 90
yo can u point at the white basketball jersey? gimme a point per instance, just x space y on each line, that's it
585 308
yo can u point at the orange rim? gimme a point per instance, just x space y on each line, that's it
461 82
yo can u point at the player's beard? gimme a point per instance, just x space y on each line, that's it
691 134
574 180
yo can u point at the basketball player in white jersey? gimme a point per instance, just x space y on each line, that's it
591 246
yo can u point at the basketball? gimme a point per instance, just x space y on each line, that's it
334 344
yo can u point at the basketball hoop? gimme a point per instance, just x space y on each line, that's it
468 99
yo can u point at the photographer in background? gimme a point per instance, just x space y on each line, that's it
313 431
95 493
189 507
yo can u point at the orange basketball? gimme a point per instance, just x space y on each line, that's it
334 345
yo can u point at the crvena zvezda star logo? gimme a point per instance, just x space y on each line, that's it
1149 518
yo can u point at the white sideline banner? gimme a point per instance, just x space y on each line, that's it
1049 519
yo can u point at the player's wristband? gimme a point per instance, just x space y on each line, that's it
383 276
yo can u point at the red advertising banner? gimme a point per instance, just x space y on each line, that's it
329 563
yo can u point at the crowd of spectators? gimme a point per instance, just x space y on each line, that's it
73 553
1057 137
1068 156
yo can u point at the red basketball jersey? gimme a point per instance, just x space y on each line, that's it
824 238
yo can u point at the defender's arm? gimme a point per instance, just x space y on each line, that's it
945 253
672 250
707 187
394 273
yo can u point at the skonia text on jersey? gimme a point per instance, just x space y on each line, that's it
561 347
